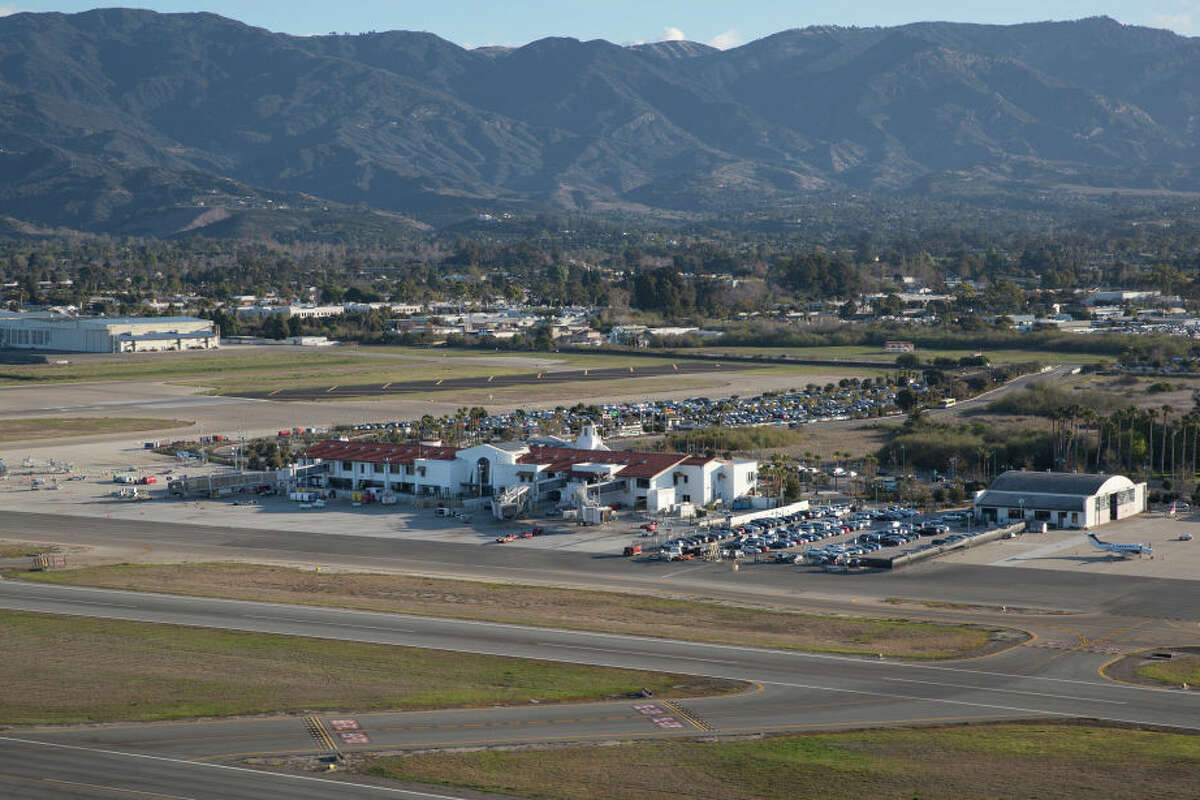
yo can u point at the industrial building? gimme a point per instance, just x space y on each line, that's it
64 333
587 473
1060 499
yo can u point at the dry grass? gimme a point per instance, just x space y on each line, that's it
576 391
992 761
529 605
12 430
22 549
60 669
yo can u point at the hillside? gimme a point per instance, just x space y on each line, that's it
131 121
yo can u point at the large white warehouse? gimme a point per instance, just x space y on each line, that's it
49 331
1060 499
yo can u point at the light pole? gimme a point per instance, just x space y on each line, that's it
953 469
1021 501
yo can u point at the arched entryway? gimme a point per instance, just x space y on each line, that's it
483 476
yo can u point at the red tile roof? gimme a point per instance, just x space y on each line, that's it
636 465
378 452
556 459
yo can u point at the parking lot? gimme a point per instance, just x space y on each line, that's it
834 537
847 399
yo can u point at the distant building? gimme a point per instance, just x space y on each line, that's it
46 331
1060 499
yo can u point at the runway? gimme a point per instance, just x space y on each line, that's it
530 379
786 690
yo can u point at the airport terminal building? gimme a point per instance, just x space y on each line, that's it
65 333
1060 499
585 472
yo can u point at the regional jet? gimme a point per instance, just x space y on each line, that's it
1122 550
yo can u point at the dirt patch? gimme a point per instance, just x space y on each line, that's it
561 608
10 549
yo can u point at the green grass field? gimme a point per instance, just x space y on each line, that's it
59 669
977 761
608 612
1181 669
872 353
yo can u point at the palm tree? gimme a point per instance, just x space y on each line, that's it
1162 457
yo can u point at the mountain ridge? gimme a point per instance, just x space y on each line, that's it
115 117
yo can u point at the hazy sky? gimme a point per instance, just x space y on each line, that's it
724 24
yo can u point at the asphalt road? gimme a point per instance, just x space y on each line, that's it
937 582
788 690
531 379
33 770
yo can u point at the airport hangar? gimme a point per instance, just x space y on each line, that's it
585 469
1060 499
66 333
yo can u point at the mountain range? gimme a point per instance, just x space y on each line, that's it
128 121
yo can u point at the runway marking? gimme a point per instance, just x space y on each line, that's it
680 711
230 768
1018 709
90 603
683 571
1079 648
116 789
318 622
681 734
634 652
667 722
319 733
1009 691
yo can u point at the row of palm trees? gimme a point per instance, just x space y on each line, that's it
1147 441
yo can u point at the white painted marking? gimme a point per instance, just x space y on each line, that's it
1009 691
90 603
245 770
321 622
683 571
94 786
635 653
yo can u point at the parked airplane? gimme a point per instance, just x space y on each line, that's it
1122 550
